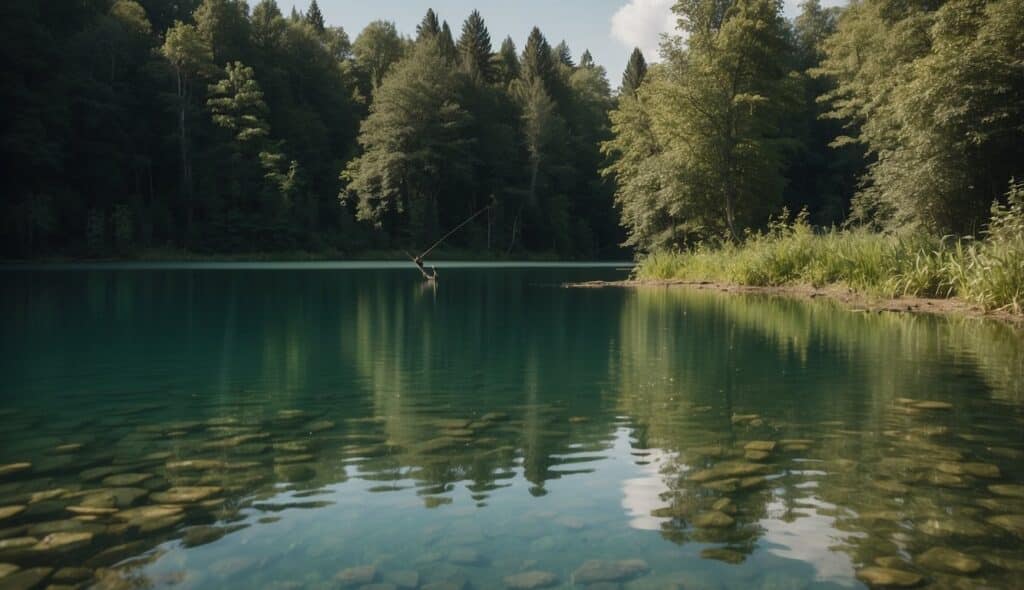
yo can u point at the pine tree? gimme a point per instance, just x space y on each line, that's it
635 72
587 60
314 17
564 55
447 43
430 26
507 62
475 49
537 62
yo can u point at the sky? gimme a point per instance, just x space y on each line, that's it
608 28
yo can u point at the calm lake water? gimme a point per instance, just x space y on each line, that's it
338 426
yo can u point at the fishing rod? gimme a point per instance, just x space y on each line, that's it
418 260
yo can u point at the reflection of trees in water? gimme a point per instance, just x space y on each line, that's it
884 476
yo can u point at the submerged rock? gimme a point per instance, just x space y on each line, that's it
756 455
944 527
194 465
356 576
748 419
186 494
713 519
1011 490
890 486
1010 522
14 468
465 556
10 511
15 548
72 574
114 498
30 578
765 446
595 571
931 405
7 569
530 580
126 479
947 560
63 542
724 555
884 576
982 470
729 469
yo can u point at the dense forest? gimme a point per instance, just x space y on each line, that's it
212 127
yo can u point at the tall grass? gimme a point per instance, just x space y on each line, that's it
989 271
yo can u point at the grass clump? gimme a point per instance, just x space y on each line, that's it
987 271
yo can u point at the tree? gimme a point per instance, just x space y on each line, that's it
315 18
268 26
412 146
537 62
190 55
711 120
226 26
587 60
507 62
636 69
429 27
563 54
930 92
376 49
475 49
447 42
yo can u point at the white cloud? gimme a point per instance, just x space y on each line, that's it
640 23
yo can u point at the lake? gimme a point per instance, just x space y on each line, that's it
348 426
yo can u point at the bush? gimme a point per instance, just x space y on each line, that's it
989 272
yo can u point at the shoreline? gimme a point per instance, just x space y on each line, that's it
854 301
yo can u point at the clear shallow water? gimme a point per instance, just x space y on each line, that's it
251 427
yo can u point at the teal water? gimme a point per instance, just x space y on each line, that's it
335 426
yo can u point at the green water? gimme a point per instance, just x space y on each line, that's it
349 416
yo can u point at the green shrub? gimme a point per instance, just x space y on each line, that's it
989 272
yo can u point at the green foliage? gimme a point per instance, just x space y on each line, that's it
635 72
989 272
475 49
411 145
314 17
933 93
376 49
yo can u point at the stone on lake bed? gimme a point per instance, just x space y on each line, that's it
90 510
729 469
294 446
765 446
14 468
113 498
10 511
1011 490
30 578
68 448
723 555
148 513
884 576
982 470
195 465
740 419
530 580
63 542
46 495
724 505
947 560
1010 522
72 574
319 426
7 569
356 576
963 527
756 455
713 519
186 494
596 571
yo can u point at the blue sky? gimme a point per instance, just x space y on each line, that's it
609 28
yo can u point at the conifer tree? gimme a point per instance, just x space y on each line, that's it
635 72
475 48
314 17
430 26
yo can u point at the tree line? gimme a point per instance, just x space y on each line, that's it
207 126
883 113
